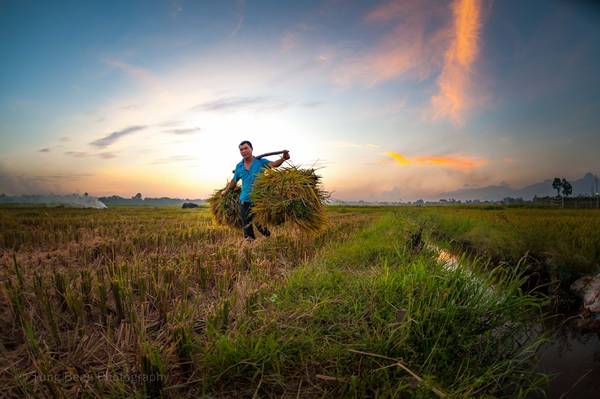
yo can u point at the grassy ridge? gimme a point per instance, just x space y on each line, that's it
370 295
159 302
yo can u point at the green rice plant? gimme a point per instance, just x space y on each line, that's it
60 288
153 370
117 292
289 195
47 308
15 293
225 208
86 287
102 293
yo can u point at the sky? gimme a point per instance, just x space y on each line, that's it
391 100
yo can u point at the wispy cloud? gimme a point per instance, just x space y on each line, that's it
237 103
169 123
83 154
311 104
174 158
192 130
349 144
44 149
141 74
241 5
64 139
407 48
454 162
454 82
77 154
176 7
114 136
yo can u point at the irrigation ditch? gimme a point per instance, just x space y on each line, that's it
571 353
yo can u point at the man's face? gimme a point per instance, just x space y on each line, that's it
246 151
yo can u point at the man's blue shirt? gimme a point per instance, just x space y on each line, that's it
248 176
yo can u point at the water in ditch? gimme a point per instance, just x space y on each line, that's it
571 357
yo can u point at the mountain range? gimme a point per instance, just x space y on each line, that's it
587 185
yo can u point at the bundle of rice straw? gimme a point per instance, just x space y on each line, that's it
289 195
226 208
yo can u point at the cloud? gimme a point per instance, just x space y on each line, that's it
241 5
114 136
191 130
138 73
176 7
77 154
454 162
454 82
421 40
237 103
64 139
46 149
174 158
82 154
311 104
409 47
169 123
349 144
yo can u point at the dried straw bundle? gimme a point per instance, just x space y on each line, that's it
289 195
226 208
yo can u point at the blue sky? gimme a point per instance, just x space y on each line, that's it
393 99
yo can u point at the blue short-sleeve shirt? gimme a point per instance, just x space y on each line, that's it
248 176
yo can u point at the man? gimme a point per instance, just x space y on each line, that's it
247 170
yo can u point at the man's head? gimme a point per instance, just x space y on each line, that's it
246 149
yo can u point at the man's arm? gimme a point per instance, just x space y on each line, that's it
284 157
229 186
232 182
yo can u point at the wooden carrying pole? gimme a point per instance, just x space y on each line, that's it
266 154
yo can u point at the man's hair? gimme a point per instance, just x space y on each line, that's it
245 142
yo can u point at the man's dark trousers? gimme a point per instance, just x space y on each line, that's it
246 215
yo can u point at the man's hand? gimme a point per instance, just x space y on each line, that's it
284 157
229 186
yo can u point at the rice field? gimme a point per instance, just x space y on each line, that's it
162 302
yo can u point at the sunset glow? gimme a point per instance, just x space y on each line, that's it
156 98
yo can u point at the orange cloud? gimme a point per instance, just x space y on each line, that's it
455 162
454 81
408 48
401 159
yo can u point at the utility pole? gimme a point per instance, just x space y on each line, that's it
596 192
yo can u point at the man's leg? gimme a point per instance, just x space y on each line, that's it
246 220
263 230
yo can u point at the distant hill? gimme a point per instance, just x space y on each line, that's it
117 200
88 201
66 200
584 186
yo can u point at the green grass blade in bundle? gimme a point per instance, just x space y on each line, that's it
289 195
225 208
